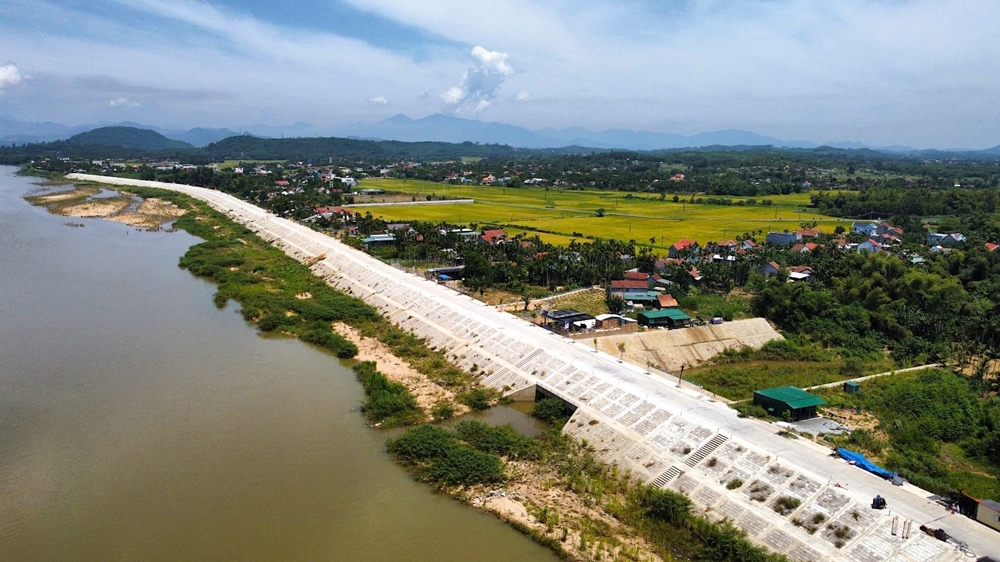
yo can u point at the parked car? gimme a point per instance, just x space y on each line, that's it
716 320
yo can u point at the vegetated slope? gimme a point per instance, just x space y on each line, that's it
126 137
323 147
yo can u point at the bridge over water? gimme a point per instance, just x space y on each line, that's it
673 437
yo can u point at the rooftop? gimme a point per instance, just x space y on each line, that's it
671 313
794 397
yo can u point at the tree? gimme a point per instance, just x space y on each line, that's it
599 212
616 304
621 351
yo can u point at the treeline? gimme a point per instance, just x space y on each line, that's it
945 308
899 200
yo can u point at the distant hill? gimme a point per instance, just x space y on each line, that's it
448 128
126 137
201 137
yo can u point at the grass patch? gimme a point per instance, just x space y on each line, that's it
710 305
589 302
739 381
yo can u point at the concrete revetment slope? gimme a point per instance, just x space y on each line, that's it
675 438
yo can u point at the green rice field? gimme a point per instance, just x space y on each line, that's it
559 216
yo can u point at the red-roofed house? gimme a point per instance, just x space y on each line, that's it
991 246
636 276
806 233
493 237
667 301
338 212
625 287
684 245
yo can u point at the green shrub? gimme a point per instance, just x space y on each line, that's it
324 337
664 505
751 410
550 410
479 398
786 504
462 465
421 443
439 457
387 402
501 440
443 410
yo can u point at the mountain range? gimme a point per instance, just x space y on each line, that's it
445 128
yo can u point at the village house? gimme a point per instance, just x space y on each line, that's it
681 246
800 273
869 246
945 240
866 228
346 215
781 238
768 269
884 228
629 287
493 237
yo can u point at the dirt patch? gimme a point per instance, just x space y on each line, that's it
103 208
534 498
395 369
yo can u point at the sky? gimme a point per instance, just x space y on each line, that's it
920 73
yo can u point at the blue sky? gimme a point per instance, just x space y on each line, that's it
917 72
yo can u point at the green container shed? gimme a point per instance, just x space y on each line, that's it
664 318
798 403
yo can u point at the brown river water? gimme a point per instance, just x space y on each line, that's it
139 422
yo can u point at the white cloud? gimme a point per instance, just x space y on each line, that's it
9 76
122 101
523 96
453 95
481 83
493 60
379 100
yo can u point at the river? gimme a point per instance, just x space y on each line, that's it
139 422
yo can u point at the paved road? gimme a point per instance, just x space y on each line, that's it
885 374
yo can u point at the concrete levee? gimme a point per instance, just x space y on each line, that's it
676 438
670 349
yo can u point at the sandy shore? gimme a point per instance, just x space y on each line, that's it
395 369
80 202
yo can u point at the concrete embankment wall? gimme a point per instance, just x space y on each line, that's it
670 349
670 437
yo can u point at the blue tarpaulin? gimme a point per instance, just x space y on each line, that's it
861 462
